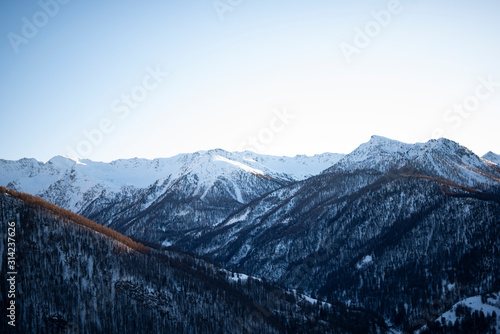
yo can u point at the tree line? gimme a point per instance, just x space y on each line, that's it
75 218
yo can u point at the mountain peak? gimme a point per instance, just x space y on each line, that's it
493 157
62 161
379 146
442 142
217 151
381 139
441 158
375 151
386 144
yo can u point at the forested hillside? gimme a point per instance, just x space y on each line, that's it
72 279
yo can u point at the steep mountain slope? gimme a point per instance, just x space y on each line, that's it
71 279
390 224
153 199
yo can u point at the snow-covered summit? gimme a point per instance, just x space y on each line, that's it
493 157
79 181
437 157
62 162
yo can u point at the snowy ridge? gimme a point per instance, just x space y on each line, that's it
33 176
441 158
488 307
152 198
299 167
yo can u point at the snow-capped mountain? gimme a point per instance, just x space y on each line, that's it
378 161
153 198
372 228
391 227
35 177
441 158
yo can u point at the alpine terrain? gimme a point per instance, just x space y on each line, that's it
76 276
390 238
157 199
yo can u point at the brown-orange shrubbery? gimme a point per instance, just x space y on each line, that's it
75 218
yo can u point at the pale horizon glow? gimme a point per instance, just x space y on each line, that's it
270 77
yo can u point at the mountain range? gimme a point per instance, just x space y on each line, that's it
373 228
160 198
406 231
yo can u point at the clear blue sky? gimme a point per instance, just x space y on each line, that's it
119 79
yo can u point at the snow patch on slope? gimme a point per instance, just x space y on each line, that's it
475 303
238 218
365 261
240 165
